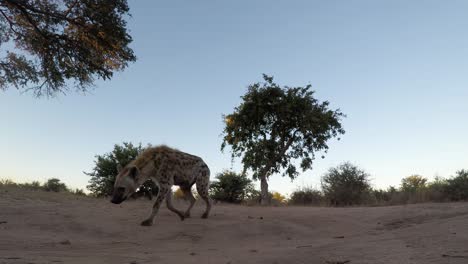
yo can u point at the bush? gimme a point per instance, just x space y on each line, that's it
54 185
457 187
437 190
7 182
35 185
79 192
277 198
253 197
345 185
105 169
231 187
306 196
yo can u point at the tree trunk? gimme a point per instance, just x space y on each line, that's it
265 198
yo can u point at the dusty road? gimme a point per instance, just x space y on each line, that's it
39 227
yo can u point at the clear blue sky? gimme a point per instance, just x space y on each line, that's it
398 69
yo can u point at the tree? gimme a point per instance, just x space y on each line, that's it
274 126
62 42
230 187
105 169
413 183
54 185
345 184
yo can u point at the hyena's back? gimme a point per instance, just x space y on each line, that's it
177 167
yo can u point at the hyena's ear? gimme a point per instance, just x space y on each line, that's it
119 168
133 173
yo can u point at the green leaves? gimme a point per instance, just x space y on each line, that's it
231 187
54 44
105 168
275 125
345 184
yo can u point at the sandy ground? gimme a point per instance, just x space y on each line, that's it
39 227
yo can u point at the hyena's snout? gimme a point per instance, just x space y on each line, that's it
118 195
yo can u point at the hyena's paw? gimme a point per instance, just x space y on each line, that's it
182 217
147 222
204 216
187 215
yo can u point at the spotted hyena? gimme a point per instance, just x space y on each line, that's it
166 167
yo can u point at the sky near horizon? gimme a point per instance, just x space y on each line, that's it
397 69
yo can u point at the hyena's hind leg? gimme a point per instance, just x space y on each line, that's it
189 195
163 190
203 182
171 207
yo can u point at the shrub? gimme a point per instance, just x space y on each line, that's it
103 174
54 185
7 182
79 192
35 185
306 196
345 184
231 187
437 190
457 187
278 198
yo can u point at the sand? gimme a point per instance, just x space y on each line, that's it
39 227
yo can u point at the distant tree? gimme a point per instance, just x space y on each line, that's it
413 183
345 184
274 126
230 187
54 185
51 44
105 169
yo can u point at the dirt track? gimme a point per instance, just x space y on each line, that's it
39 227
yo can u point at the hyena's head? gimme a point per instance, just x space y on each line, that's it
126 183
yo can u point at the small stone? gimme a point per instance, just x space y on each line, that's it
65 242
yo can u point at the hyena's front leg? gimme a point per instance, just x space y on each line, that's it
163 190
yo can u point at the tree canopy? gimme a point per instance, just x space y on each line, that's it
413 183
49 45
105 169
274 125
231 187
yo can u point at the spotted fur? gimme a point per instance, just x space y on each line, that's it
166 167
